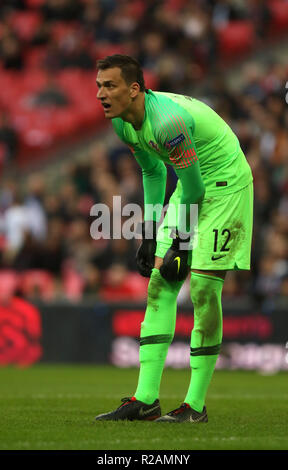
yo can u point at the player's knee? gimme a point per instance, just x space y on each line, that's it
156 285
205 291
206 299
155 288
161 291
201 296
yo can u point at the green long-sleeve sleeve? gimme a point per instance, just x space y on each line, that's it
154 172
176 137
154 175
193 193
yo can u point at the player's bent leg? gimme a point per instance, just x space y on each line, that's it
206 338
157 332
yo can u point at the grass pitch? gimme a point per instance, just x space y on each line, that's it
52 407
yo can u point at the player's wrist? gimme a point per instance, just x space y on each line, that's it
181 240
145 255
148 229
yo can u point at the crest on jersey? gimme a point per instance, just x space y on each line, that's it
154 145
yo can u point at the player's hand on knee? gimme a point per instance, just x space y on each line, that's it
145 255
175 263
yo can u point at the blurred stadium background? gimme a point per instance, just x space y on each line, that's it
65 297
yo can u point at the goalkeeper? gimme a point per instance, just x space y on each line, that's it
160 129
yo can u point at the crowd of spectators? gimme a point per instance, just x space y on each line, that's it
45 225
166 27
179 42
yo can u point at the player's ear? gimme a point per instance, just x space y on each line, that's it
134 89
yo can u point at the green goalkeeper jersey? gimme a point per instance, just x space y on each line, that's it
186 133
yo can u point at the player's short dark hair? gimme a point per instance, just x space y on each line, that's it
131 70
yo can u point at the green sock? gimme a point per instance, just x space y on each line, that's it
157 331
206 336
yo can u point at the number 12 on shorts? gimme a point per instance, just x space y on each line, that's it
226 234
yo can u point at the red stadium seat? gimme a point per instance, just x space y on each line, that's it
35 127
235 39
72 284
133 287
175 5
33 80
34 57
25 23
38 283
151 80
136 8
61 29
9 87
65 122
3 242
279 17
108 49
71 80
34 3
9 282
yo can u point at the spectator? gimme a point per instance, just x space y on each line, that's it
15 226
121 285
9 140
33 201
29 255
67 200
93 18
72 51
122 252
62 10
261 16
53 249
129 177
284 287
79 244
15 4
227 10
42 35
51 95
267 282
92 280
11 53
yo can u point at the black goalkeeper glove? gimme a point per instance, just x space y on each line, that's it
145 255
175 267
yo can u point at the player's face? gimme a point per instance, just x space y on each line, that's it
114 93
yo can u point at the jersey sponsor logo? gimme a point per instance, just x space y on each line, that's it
176 141
154 145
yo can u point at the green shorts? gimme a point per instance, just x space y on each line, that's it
223 238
